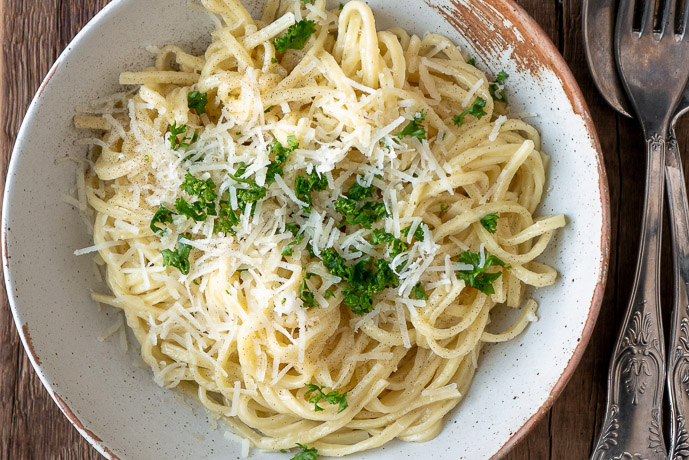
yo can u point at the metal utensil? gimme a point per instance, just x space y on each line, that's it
598 28
655 86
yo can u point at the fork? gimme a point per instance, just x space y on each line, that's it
651 66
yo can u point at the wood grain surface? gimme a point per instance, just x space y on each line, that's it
34 32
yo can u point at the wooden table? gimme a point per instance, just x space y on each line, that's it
34 32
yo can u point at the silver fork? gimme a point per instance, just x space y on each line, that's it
652 66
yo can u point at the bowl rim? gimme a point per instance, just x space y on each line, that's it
552 58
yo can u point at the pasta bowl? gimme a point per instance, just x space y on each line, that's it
118 407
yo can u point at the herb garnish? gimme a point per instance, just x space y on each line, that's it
178 258
280 157
362 281
294 229
175 131
303 186
419 234
476 109
364 215
490 222
296 36
305 293
472 61
496 93
162 216
268 109
333 397
194 210
395 245
414 128
341 6
203 189
418 292
477 277
306 453
197 101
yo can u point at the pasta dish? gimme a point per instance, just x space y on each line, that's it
310 225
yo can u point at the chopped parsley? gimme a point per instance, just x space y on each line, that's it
162 216
175 141
478 277
197 101
306 453
268 109
362 282
296 36
294 229
395 245
418 292
195 210
178 258
273 60
490 222
356 214
307 1
415 128
419 234
495 88
227 219
333 397
341 6
444 207
305 184
252 194
280 157
476 109
472 61
305 293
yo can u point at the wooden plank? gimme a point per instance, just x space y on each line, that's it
33 34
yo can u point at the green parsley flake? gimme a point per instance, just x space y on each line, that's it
293 228
197 101
490 222
305 293
395 245
268 109
356 214
472 61
296 36
175 131
362 282
306 453
273 60
478 277
419 234
280 155
495 88
178 258
333 397
414 128
476 109
162 216
304 185
418 292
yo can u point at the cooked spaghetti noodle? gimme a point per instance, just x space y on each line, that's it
310 224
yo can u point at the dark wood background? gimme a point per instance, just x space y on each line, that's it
34 32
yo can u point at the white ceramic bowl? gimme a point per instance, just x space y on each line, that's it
119 408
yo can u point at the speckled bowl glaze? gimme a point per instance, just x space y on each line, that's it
118 407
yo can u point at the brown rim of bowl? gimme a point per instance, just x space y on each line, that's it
553 59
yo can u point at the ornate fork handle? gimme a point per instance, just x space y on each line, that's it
631 428
678 362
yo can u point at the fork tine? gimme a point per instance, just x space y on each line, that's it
685 20
649 17
625 15
667 25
